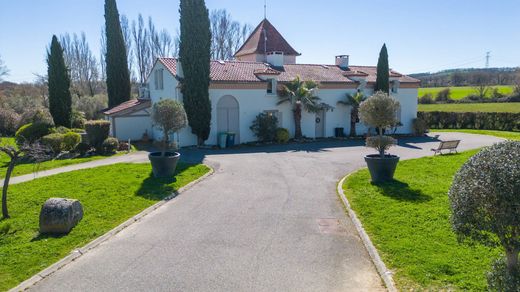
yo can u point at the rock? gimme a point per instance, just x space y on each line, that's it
59 216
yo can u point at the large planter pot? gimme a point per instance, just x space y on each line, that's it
381 169
164 166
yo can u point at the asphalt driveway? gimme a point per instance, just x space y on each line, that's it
269 219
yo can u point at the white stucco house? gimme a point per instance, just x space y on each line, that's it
243 88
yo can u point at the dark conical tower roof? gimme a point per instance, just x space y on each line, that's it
256 43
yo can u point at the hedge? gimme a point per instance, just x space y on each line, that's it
472 120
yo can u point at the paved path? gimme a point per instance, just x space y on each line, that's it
269 219
134 157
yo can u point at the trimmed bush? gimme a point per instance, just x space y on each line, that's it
264 127
82 148
9 121
282 135
501 279
71 140
97 133
54 142
110 145
472 120
419 127
30 133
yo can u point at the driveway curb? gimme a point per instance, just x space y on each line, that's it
383 271
75 254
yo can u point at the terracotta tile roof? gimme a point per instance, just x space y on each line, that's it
129 106
256 43
241 71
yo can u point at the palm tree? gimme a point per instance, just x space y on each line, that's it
353 101
300 94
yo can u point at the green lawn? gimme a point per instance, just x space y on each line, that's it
110 195
25 168
408 222
510 107
463 91
500 134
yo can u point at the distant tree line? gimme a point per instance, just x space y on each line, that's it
469 77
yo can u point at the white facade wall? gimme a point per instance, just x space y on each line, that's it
132 127
254 101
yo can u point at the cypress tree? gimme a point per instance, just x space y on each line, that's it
194 53
383 75
118 77
60 100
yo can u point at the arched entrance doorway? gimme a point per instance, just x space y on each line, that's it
228 117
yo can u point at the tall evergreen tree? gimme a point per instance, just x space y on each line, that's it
118 76
195 51
60 100
383 75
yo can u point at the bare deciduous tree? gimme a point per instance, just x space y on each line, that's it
81 62
227 35
142 50
481 81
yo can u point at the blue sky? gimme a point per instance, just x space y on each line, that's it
421 35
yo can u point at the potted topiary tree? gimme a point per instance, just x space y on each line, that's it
380 112
170 117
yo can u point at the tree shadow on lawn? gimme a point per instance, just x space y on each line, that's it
156 189
401 191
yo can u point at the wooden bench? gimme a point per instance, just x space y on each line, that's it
447 145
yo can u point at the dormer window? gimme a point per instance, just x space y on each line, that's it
158 77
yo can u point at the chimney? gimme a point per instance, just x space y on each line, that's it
342 61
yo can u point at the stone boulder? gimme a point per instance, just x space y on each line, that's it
59 216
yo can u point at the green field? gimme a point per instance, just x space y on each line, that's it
109 195
408 220
463 91
501 134
510 107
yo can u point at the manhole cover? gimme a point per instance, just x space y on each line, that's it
330 226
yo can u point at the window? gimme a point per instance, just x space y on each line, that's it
271 86
398 115
395 86
158 77
277 114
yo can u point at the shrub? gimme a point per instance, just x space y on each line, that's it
97 133
91 106
419 126
62 130
443 95
169 115
426 99
471 120
30 133
380 143
122 146
264 127
82 148
484 200
9 121
37 116
71 140
78 119
282 135
501 279
110 145
54 141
